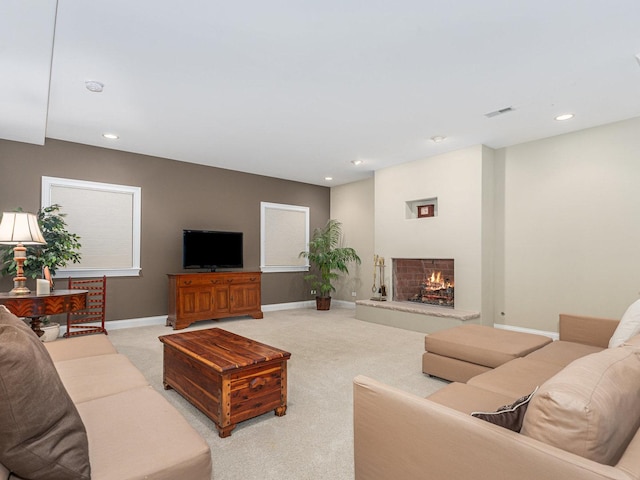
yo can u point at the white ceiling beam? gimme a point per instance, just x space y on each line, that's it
26 49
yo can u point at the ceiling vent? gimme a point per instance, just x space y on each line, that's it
502 111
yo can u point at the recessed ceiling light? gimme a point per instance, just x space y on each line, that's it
328 179
94 86
437 139
110 136
566 116
357 162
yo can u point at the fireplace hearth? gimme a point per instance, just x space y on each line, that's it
428 281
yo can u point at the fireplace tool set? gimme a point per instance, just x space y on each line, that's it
379 290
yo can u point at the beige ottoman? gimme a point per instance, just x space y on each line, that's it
460 353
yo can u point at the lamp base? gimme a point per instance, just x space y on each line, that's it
20 287
20 281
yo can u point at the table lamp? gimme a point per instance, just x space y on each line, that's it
20 229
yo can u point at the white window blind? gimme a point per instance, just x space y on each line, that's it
284 234
107 219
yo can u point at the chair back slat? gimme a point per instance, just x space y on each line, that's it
91 319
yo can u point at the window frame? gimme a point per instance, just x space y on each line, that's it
303 266
48 183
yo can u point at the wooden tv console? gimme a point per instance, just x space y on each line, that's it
214 295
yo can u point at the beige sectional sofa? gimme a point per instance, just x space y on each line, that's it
107 421
582 421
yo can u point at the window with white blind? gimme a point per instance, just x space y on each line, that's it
284 232
106 217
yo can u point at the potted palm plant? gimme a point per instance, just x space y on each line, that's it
62 247
329 259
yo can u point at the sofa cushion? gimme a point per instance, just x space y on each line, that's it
42 436
517 378
591 407
466 398
139 434
562 353
628 327
508 416
79 347
449 368
99 376
483 345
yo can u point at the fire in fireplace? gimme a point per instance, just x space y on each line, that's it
435 290
429 281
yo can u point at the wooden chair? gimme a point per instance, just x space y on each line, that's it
95 311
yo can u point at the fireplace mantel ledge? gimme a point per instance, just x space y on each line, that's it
423 309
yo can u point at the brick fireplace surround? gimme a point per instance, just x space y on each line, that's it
418 316
410 273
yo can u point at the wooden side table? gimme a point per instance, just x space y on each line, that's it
36 306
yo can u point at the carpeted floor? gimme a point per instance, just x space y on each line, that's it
314 440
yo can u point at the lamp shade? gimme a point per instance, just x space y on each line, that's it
20 227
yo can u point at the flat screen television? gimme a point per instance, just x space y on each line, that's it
206 249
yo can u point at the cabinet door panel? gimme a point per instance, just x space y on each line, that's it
245 298
221 303
194 301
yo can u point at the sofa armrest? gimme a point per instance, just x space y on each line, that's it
400 435
587 330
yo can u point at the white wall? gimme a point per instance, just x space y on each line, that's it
456 179
352 205
536 229
569 240
488 236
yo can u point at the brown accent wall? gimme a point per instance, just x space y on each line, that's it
175 195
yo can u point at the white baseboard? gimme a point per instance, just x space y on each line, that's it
127 323
288 306
306 304
162 319
553 335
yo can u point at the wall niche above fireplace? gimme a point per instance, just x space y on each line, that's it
428 281
423 208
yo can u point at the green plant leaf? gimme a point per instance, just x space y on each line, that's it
327 257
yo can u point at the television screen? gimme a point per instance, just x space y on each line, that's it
211 249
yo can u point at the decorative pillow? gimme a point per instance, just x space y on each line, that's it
633 341
508 416
591 407
628 327
43 437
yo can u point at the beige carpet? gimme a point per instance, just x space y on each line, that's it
314 440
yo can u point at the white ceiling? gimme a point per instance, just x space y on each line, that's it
300 89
